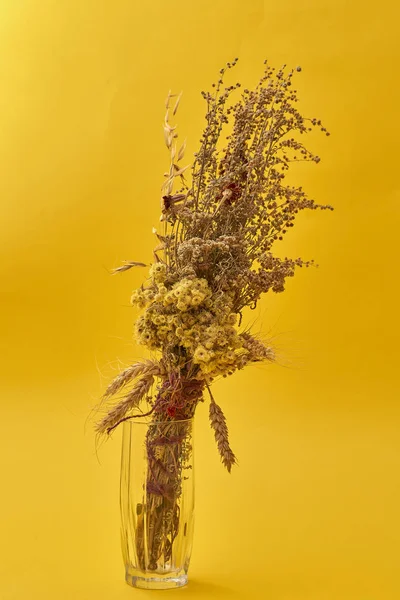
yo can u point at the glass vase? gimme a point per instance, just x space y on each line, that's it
157 502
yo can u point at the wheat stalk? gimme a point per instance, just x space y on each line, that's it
145 371
128 374
130 401
218 423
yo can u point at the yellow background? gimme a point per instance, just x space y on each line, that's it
312 512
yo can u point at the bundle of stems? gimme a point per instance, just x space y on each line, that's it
168 450
213 258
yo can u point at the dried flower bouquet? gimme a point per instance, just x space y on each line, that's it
212 260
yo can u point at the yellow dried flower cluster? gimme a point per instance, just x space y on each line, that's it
184 319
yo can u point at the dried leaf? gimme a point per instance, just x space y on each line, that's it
177 104
180 171
181 152
161 238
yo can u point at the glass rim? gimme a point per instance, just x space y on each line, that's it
139 420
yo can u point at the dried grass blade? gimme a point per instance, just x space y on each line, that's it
179 172
177 103
181 152
127 265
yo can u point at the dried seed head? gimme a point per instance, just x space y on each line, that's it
218 423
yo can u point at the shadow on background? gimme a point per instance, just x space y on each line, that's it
197 588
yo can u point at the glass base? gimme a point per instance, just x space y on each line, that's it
156 582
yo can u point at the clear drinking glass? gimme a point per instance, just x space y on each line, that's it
157 502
